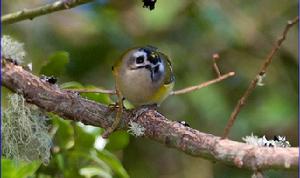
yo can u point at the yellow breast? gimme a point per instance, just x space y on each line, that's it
162 93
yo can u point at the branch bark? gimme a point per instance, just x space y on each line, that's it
70 105
39 11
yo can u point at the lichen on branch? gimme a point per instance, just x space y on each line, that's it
24 131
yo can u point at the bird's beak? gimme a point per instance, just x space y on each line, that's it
136 67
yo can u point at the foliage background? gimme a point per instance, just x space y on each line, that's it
91 37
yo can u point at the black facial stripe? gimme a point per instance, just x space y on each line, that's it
148 67
156 69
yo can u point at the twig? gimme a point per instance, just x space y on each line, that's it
118 117
42 10
156 127
261 72
202 85
215 65
177 92
98 90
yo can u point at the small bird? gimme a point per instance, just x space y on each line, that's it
144 76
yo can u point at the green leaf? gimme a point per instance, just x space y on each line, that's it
18 169
71 84
91 171
60 161
64 137
84 141
113 162
56 64
117 141
98 97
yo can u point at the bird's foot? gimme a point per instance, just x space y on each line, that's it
115 106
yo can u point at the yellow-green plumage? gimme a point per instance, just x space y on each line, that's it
162 93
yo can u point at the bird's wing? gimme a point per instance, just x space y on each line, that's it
169 77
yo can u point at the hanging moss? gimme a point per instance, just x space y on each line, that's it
24 131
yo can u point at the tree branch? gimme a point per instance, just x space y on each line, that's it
97 90
259 75
71 106
39 11
216 57
202 85
176 92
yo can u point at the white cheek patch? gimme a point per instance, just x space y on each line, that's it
140 53
161 68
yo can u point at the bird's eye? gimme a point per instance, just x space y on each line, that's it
140 59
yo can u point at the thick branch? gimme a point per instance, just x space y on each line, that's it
39 11
71 106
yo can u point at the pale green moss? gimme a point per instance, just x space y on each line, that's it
12 49
24 131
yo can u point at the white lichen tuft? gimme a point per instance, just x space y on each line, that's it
254 140
12 49
281 141
24 131
278 141
260 79
136 129
29 66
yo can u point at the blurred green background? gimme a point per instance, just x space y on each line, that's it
91 37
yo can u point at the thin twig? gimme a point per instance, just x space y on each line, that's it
216 57
202 85
42 10
118 117
177 92
98 90
259 75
